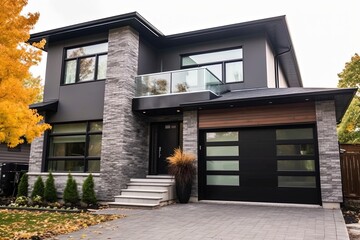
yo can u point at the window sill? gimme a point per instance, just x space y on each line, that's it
76 83
74 174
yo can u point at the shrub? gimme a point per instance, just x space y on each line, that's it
38 188
23 186
21 201
50 189
71 194
37 200
88 191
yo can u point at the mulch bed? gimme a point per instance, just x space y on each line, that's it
351 211
351 216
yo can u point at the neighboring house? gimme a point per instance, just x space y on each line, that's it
17 155
121 96
13 162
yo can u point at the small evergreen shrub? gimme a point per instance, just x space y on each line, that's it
71 194
38 188
88 191
23 186
50 189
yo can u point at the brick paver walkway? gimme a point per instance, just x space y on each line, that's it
220 221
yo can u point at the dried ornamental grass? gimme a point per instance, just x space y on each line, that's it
181 165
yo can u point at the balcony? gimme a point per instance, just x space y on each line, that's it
168 90
181 81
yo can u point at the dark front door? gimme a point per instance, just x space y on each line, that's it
165 138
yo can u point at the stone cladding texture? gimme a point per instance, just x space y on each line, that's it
329 157
61 179
36 152
125 136
190 141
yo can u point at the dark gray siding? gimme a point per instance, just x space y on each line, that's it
254 55
14 157
77 102
148 59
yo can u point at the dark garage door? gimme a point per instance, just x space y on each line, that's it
259 164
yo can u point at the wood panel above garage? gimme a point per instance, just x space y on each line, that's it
258 115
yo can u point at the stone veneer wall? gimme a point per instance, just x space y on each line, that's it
329 158
35 168
61 179
36 153
125 136
35 161
190 141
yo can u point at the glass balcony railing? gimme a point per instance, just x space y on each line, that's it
181 81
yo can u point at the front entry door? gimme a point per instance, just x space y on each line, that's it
165 138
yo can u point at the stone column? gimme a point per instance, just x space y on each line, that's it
125 137
35 160
329 157
190 143
36 153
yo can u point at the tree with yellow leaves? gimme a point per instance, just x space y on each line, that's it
18 88
349 128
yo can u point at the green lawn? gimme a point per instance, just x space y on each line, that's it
16 224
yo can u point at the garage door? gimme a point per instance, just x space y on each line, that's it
259 164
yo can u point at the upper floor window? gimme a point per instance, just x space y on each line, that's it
226 65
85 63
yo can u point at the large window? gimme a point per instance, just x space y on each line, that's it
222 158
75 147
85 63
296 158
226 65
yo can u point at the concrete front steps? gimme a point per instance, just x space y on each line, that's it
149 192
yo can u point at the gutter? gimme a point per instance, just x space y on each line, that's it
276 59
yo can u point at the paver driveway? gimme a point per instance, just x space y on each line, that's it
220 221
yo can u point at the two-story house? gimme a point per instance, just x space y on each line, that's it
120 96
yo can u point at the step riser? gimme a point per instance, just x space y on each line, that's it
170 190
160 176
145 194
138 194
151 180
136 200
132 205
146 187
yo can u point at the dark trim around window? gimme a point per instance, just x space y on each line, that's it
223 63
86 158
64 60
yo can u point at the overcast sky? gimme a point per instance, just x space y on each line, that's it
325 33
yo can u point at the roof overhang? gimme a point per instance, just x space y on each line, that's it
274 28
342 98
103 25
48 106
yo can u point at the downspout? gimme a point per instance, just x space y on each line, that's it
276 59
